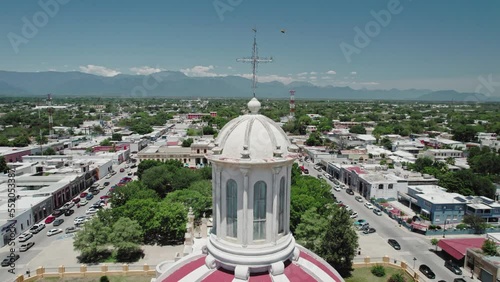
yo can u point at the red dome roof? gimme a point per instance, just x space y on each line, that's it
309 267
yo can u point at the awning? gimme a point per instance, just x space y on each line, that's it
425 211
458 247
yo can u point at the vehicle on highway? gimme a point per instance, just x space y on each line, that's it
54 231
89 197
79 220
349 191
336 188
105 197
37 228
377 212
394 244
369 206
359 199
68 205
25 247
58 212
58 222
50 219
369 230
354 215
427 271
453 267
69 212
71 229
95 192
9 260
25 236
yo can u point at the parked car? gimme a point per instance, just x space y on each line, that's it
453 267
306 171
50 219
83 202
133 166
89 197
83 194
122 169
95 192
69 212
91 210
394 244
106 183
359 199
68 205
54 231
354 215
58 212
9 260
377 212
336 188
37 228
369 206
369 230
58 222
360 222
349 191
319 176
427 271
458 280
25 247
71 229
76 200
25 237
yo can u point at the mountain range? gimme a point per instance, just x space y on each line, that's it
176 84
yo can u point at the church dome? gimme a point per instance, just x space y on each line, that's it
252 136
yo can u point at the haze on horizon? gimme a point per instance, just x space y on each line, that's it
380 44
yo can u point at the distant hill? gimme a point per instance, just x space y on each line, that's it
177 84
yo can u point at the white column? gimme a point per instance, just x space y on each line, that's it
288 193
274 204
244 220
216 188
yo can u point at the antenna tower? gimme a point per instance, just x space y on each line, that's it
50 110
292 104
255 60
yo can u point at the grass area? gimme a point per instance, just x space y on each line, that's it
364 274
94 279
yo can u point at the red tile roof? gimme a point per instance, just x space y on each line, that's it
457 248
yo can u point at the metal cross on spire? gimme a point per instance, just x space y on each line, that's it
255 60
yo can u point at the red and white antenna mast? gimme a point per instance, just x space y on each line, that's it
50 110
292 104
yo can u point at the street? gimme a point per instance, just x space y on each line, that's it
413 245
41 239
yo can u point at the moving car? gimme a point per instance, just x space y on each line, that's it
37 228
453 267
25 237
394 244
349 191
369 206
58 222
10 259
122 170
71 229
58 212
25 247
427 271
106 183
369 230
359 199
69 212
54 231
76 200
377 212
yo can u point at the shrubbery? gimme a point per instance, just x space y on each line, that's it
378 270
397 277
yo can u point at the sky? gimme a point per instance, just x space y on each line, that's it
376 44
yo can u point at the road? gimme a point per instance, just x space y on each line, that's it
413 245
41 239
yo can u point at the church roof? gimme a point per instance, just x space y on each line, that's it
308 267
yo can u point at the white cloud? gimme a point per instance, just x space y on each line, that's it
302 78
354 73
99 70
302 73
326 77
313 78
145 70
201 71
331 72
313 73
229 68
269 78
369 83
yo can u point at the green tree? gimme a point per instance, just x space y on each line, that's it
311 230
190 198
132 190
434 242
92 240
125 237
21 141
170 222
49 152
116 137
489 247
3 165
187 142
106 142
475 222
357 129
41 139
386 143
340 242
